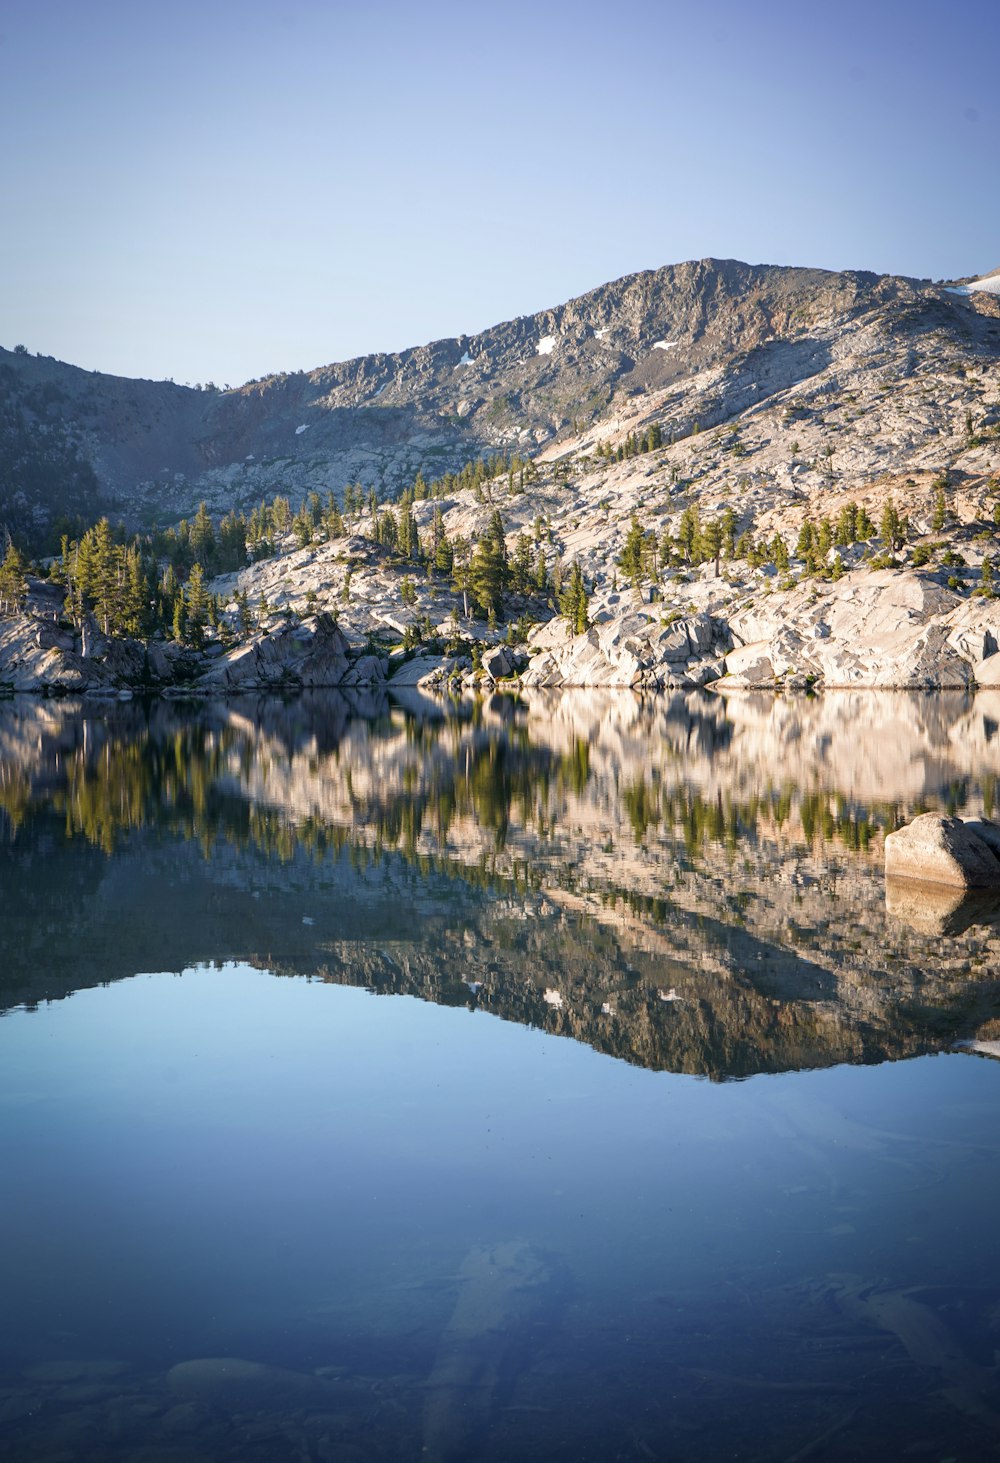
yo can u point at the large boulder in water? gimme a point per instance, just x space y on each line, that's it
961 853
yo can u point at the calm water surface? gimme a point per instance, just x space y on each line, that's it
552 1080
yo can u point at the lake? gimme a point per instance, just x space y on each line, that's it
551 1078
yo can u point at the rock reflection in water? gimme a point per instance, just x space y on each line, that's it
695 883
935 909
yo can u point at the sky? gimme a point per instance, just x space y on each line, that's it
219 190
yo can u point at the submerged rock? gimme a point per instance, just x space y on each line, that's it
933 849
502 1290
237 1385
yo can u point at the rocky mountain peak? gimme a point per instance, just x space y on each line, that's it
73 440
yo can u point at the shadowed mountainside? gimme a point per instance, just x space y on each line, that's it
77 440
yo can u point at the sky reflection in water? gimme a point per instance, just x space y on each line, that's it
444 1234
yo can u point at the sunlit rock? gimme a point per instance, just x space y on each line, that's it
938 850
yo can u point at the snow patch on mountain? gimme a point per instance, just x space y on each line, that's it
989 284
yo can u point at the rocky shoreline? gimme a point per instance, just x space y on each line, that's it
884 629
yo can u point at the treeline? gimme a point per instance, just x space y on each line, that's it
699 541
127 590
634 445
142 585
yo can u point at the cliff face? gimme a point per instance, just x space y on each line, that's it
685 884
77 440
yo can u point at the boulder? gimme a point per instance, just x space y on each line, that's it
934 849
750 665
367 670
237 1385
987 672
313 653
496 663
418 671
630 649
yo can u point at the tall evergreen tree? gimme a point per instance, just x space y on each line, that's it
487 576
13 582
196 606
630 561
573 600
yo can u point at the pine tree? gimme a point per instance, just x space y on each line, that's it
135 599
97 573
711 542
13 583
302 527
196 605
496 533
891 529
444 556
940 511
573 600
847 525
202 536
232 545
332 520
387 529
520 573
630 560
689 533
487 576
865 529
244 619
409 537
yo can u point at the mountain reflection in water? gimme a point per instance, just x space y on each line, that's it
687 884
255 1219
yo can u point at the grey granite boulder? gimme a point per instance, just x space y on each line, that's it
934 849
496 663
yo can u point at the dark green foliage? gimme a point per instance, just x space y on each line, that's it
573 600
13 583
632 556
893 529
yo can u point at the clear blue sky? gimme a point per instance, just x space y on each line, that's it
216 190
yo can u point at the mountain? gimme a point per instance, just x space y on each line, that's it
78 441
759 476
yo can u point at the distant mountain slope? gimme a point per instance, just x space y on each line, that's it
146 450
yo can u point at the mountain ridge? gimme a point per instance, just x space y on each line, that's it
150 450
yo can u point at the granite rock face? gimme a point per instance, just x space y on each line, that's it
933 849
310 654
631 649
40 657
881 630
